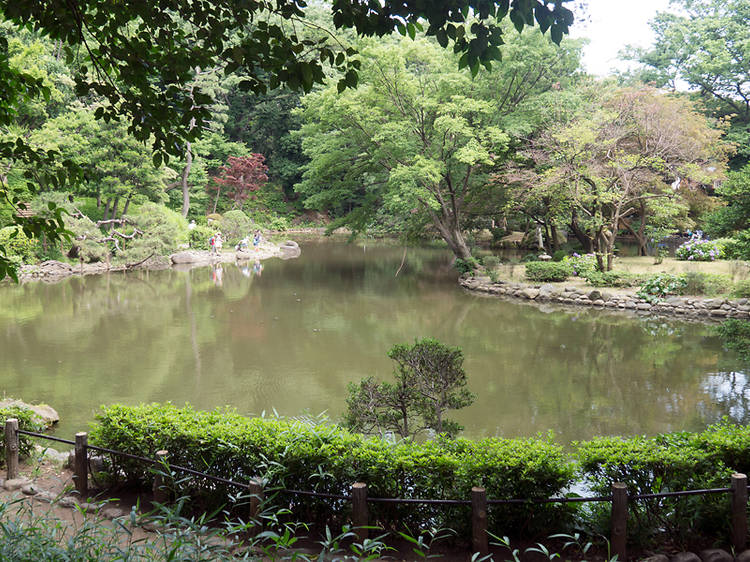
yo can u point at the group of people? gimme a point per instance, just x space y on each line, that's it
216 242
245 242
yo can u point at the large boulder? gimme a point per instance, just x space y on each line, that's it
44 414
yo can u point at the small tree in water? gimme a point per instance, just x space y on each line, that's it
430 380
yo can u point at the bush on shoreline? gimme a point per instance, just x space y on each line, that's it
298 455
301 455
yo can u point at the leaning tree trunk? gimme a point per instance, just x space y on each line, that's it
184 181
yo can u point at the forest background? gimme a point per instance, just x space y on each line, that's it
430 144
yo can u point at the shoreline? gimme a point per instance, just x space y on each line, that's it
689 307
53 271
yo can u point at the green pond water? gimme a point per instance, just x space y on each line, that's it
291 339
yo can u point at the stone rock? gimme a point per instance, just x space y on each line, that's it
188 256
715 555
598 302
685 557
742 301
45 496
546 291
643 306
595 295
30 490
67 501
46 415
530 293
743 556
656 558
16 484
53 454
629 304
114 512
674 301
544 257
289 245
718 312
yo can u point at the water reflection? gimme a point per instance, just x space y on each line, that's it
293 337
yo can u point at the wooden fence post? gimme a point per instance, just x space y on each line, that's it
160 492
81 476
359 509
256 498
11 447
619 520
739 512
479 521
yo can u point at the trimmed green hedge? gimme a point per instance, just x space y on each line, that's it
548 271
297 455
306 456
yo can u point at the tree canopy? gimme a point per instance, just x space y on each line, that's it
419 136
140 60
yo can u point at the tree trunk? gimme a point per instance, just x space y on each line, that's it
184 181
216 201
106 209
98 199
586 241
127 204
553 240
114 212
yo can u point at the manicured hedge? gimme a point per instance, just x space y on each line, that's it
305 456
297 455
548 271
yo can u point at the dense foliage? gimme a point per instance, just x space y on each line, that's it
548 271
27 421
430 380
300 455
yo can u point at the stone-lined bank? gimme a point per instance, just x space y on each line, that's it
708 308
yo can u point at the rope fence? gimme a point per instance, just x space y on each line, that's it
359 498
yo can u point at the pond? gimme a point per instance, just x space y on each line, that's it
291 338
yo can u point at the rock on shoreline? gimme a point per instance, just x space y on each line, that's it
52 270
45 415
693 307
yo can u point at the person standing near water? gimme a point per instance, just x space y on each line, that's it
217 243
256 240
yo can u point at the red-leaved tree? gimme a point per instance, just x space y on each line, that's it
240 176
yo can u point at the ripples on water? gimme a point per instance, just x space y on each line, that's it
292 338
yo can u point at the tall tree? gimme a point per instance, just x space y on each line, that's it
631 150
417 138
240 177
706 44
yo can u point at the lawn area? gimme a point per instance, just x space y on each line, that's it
732 270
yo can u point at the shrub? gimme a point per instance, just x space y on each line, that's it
741 289
85 234
667 462
199 236
741 247
697 283
615 279
17 245
699 249
288 453
164 231
661 285
468 265
490 262
735 335
582 265
26 421
548 271
234 226
728 247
